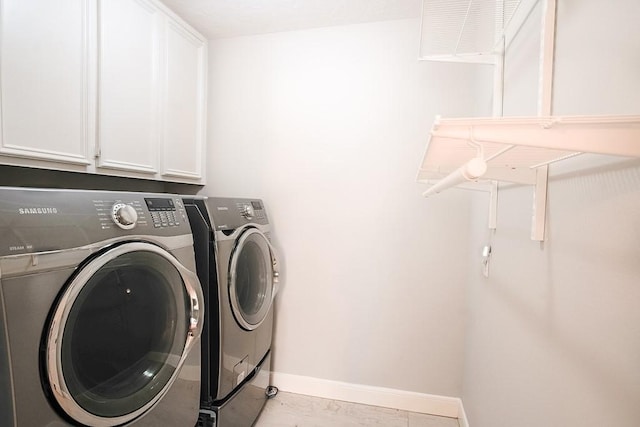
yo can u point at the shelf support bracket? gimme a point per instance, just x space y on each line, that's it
545 106
493 205
540 204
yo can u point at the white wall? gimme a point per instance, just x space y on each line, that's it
329 127
553 336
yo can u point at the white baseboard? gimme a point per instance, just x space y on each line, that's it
376 396
462 416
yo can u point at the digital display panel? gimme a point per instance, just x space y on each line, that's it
256 205
158 204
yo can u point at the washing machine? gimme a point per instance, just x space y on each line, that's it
238 267
100 310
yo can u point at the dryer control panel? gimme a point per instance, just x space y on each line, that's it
251 209
231 213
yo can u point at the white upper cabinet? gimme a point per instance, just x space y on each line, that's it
46 92
185 91
114 87
128 85
152 73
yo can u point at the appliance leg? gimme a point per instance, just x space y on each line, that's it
271 391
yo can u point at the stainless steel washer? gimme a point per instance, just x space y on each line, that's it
100 310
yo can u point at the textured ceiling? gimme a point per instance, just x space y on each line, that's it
230 18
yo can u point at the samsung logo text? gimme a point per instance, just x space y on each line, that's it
37 211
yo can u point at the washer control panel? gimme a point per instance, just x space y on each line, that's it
125 216
164 212
47 220
128 213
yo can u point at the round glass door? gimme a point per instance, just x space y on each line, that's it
251 279
120 332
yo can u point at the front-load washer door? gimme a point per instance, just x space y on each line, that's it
252 271
120 332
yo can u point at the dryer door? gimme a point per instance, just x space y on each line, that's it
252 277
120 332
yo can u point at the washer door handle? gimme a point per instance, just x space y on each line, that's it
194 290
195 314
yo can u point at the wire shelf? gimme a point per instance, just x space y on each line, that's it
513 147
464 30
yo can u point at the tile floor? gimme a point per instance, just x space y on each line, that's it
295 410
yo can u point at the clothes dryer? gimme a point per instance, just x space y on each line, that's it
238 266
100 310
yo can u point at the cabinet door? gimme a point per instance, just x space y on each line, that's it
128 85
46 94
185 93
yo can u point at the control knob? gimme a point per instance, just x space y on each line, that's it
125 216
247 211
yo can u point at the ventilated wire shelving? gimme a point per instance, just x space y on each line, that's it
478 153
514 147
464 30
